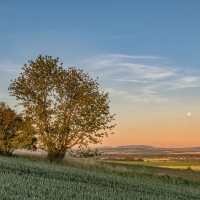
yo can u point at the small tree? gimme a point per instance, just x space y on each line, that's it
65 106
14 132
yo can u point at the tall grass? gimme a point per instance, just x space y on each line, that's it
121 169
35 178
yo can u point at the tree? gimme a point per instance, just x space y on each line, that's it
13 134
64 105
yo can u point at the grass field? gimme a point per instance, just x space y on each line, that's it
153 169
34 178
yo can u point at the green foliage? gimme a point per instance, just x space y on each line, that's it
65 106
23 179
89 153
15 132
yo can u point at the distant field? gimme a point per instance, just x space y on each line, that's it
164 163
192 167
185 152
33 178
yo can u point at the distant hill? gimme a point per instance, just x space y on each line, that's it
136 146
147 149
133 149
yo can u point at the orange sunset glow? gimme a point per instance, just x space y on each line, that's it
146 56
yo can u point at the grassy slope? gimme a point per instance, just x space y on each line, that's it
32 178
175 175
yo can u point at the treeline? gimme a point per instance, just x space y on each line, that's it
125 158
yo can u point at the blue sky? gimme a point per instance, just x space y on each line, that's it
145 53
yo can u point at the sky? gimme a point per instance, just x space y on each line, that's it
145 53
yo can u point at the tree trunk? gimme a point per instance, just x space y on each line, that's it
6 151
55 156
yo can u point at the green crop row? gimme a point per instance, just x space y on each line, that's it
23 179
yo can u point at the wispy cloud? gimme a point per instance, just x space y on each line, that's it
124 36
143 96
124 80
139 66
131 78
140 78
121 56
9 70
185 82
9 67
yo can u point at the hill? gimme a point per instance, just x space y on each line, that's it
34 178
143 149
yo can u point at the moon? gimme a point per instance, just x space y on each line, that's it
189 114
